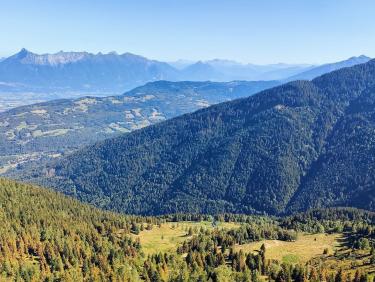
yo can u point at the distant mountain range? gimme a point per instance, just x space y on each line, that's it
48 130
301 145
320 70
87 73
225 70
80 71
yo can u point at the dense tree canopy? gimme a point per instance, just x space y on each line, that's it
45 236
297 146
40 132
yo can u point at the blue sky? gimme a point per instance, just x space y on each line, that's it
263 31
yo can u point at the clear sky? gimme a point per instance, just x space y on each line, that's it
257 31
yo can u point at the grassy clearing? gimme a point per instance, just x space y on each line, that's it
305 248
348 260
169 235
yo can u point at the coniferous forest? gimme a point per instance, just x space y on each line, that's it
294 147
46 236
238 146
274 187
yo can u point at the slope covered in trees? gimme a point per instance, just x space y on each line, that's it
297 146
45 236
39 132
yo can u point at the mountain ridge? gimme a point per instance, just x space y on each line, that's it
41 131
82 71
249 155
36 77
326 68
27 57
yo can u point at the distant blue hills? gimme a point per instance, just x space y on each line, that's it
116 73
320 70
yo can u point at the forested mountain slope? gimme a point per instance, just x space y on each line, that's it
344 173
297 146
45 235
48 130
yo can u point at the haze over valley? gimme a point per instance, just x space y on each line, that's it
28 78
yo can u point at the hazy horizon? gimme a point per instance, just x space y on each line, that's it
186 60
267 32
